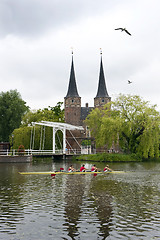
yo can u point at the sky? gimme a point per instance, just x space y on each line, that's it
37 38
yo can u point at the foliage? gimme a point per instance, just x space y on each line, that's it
12 108
130 122
21 150
54 114
109 157
42 135
22 136
58 112
86 142
102 121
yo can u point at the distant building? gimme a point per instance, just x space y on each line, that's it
75 114
4 147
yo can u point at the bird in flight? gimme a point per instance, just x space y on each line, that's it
129 82
123 29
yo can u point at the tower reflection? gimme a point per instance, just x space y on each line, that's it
102 204
80 190
75 187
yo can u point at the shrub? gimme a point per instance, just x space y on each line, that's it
21 150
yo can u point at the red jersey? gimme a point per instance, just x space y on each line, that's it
92 169
82 169
105 170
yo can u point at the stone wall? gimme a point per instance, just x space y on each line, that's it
15 159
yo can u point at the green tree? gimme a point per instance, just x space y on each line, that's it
54 114
131 122
22 136
102 121
58 112
42 136
12 109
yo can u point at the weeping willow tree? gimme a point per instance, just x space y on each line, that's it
104 125
39 137
128 121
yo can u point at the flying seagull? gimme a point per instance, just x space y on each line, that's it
129 82
123 29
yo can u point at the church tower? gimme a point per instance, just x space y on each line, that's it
102 96
72 101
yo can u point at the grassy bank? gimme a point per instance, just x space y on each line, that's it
109 157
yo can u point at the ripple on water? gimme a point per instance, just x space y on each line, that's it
122 206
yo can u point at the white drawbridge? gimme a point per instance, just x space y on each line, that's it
59 126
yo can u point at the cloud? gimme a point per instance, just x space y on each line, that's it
36 39
34 17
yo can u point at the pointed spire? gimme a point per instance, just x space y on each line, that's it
72 88
102 90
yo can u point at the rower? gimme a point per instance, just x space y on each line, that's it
71 169
82 169
107 169
94 168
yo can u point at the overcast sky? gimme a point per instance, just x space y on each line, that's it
36 37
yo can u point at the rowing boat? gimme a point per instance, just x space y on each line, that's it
68 173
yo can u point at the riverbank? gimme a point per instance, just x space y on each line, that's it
16 159
112 157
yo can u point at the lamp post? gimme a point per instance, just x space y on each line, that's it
12 142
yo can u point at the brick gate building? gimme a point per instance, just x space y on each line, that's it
76 114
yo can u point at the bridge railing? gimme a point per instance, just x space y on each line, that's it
15 152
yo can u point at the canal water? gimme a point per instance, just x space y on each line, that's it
124 205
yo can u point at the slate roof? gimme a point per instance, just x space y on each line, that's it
102 90
85 111
72 88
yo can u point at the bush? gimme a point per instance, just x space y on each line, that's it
109 157
21 150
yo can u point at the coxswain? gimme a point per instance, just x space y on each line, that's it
107 169
82 169
94 168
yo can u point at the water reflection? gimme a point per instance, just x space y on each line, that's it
113 206
102 205
85 196
75 187
135 207
11 210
